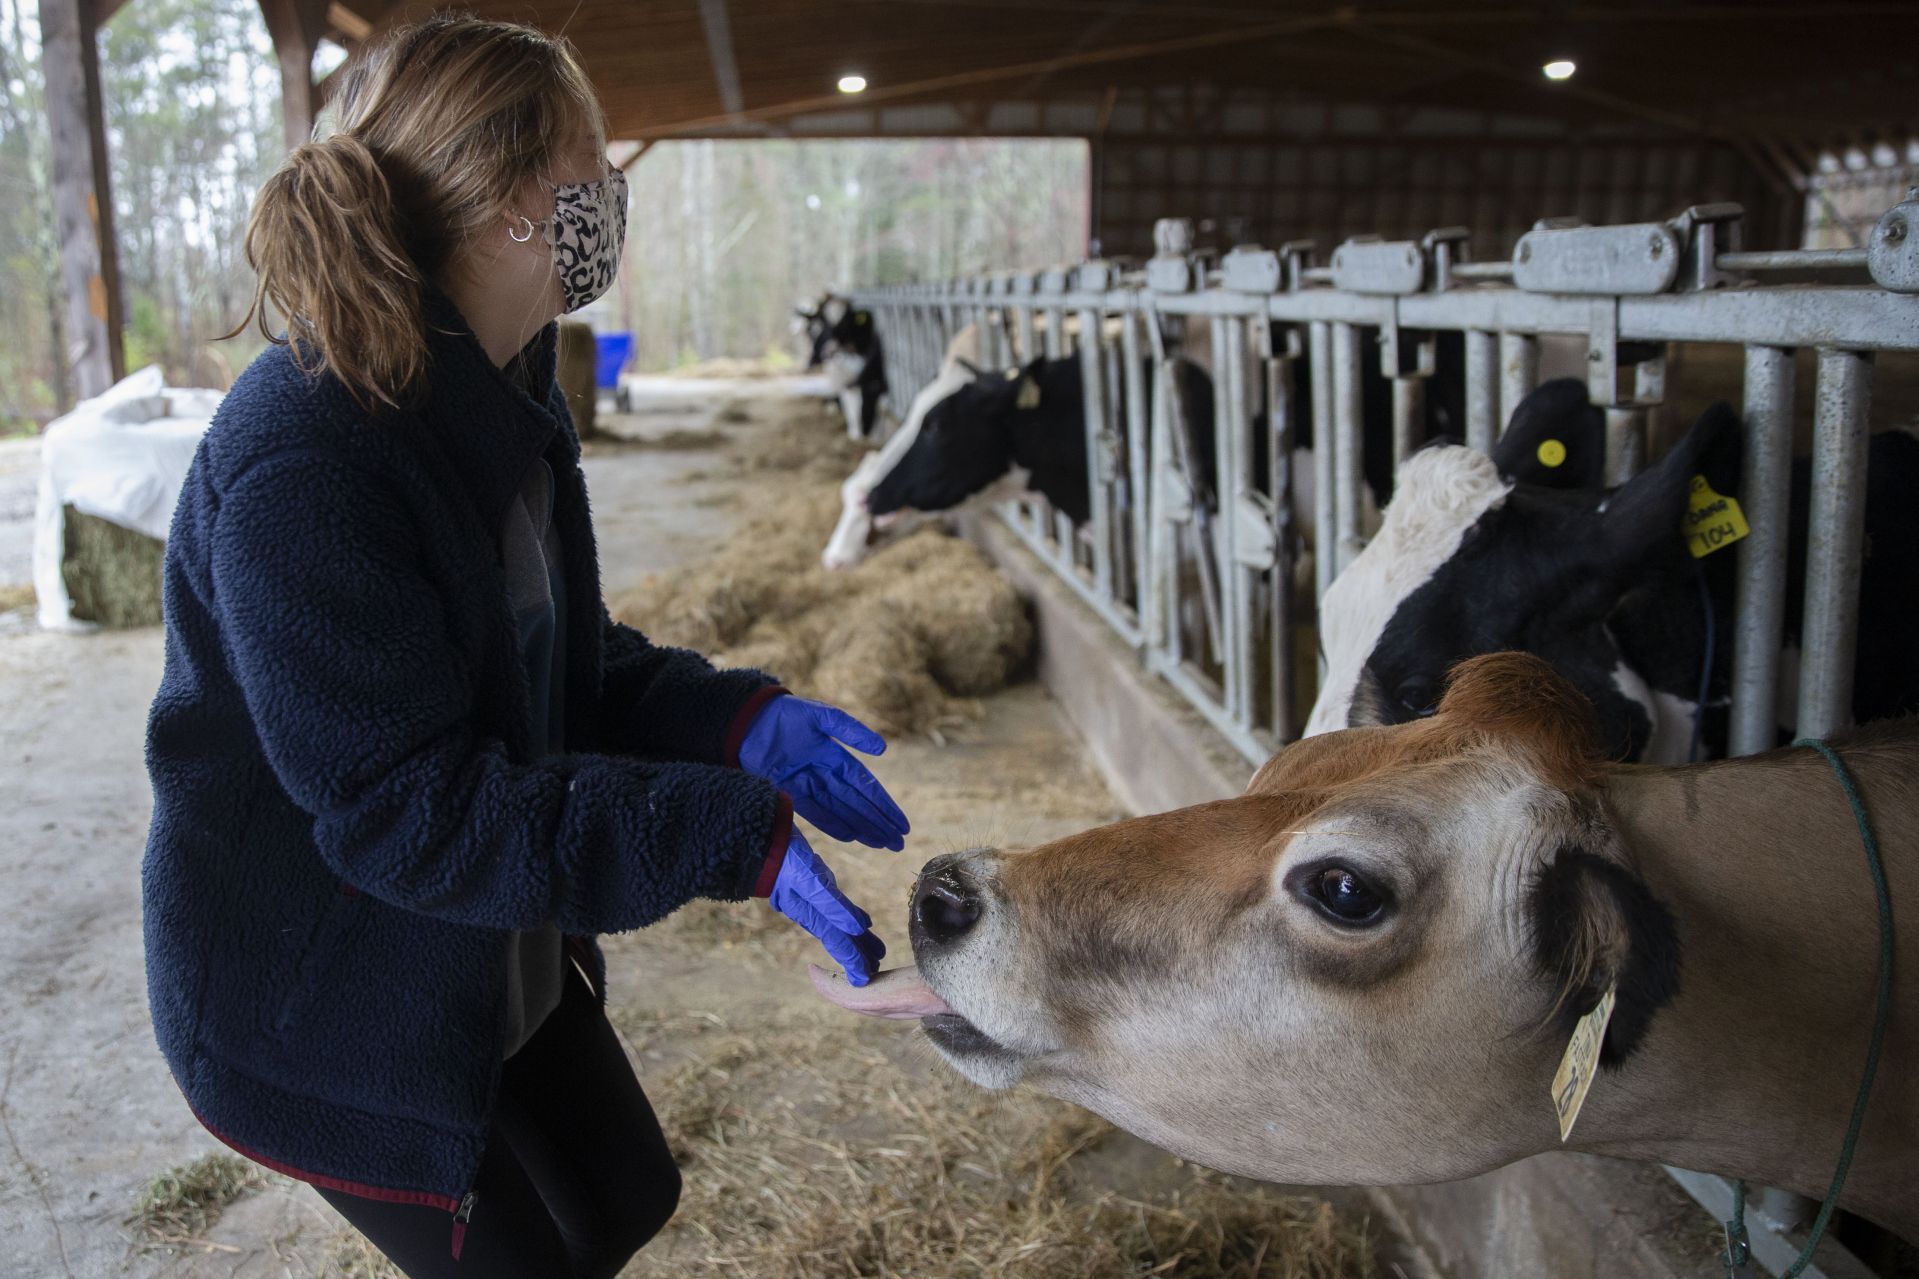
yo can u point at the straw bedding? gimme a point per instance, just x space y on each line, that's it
905 641
808 1153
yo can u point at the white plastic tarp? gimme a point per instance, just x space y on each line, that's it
121 456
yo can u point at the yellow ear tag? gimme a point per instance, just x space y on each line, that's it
1552 453
860 318
1028 395
1581 1062
1713 520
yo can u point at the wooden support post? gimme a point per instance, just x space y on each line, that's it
296 27
82 198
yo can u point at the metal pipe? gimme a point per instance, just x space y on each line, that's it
1349 434
1228 431
1139 443
1282 407
1518 371
1793 260
1482 390
1093 390
1055 344
1161 623
1765 481
1482 270
1319 347
1836 531
1625 444
1409 416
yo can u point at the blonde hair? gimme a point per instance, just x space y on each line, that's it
438 123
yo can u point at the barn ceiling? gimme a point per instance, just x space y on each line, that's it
1786 71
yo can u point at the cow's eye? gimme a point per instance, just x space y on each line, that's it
1418 697
1345 896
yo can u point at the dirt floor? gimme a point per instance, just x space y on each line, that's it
813 1143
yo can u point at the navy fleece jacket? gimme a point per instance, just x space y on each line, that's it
350 817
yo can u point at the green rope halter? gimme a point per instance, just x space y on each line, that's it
1738 1246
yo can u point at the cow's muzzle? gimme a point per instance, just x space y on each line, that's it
946 905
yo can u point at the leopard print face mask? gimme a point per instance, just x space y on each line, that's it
586 233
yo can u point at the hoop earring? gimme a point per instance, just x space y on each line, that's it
520 239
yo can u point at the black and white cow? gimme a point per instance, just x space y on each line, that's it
1601 585
846 343
975 437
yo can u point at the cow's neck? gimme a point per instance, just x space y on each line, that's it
1753 1069
1051 448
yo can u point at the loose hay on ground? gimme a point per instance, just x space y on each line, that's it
937 1179
175 1209
353 1256
678 440
904 641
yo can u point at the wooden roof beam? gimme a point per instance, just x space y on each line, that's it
993 75
1532 80
347 22
719 46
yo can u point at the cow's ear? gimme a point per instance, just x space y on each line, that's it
1520 702
1597 926
1644 514
1556 439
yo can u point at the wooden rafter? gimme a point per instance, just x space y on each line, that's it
719 47
996 74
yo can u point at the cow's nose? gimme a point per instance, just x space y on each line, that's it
946 905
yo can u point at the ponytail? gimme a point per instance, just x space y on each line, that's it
327 243
439 123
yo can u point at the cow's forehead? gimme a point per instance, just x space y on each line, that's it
1439 494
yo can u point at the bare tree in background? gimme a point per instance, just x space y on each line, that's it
726 236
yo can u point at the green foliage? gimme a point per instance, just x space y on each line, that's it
725 236
193 125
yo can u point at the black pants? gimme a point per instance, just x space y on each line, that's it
575 1178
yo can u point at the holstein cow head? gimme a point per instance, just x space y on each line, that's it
820 322
847 544
1027 418
1363 970
1470 561
1556 439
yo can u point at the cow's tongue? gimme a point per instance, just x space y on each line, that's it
897 993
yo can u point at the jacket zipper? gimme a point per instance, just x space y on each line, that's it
460 1217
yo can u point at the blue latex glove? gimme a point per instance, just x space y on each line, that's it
795 744
805 892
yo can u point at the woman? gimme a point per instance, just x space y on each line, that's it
405 766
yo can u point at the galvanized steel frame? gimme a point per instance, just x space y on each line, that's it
1265 311
1624 290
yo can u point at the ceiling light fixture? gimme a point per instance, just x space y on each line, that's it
1559 69
852 84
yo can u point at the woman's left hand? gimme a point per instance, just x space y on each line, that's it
796 744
